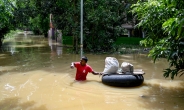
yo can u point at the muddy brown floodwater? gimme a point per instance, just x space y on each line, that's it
35 74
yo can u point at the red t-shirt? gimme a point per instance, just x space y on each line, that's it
82 71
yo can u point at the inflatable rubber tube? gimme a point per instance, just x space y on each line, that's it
123 80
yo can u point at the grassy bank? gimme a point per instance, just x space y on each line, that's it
123 45
67 40
128 41
11 35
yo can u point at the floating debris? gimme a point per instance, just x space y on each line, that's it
9 87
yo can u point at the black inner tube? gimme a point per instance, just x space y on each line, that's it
123 80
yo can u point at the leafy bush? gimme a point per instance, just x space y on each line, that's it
163 21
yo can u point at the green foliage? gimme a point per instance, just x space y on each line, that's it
102 21
39 25
164 23
11 34
6 18
147 42
32 14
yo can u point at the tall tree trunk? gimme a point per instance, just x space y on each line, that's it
75 44
1 42
75 18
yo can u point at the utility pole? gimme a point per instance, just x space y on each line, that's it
81 34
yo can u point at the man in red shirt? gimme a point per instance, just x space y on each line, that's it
83 69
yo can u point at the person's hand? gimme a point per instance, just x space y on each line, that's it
101 73
72 65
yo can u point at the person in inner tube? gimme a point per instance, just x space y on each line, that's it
83 69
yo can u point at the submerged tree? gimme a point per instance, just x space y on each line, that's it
164 24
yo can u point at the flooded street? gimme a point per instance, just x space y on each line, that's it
35 74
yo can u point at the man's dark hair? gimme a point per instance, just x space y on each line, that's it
85 58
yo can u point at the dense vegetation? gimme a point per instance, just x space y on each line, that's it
164 23
102 19
102 22
6 19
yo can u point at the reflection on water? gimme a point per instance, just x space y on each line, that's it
35 75
56 47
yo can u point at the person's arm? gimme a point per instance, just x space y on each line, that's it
96 73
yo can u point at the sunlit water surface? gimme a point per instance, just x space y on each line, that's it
35 74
